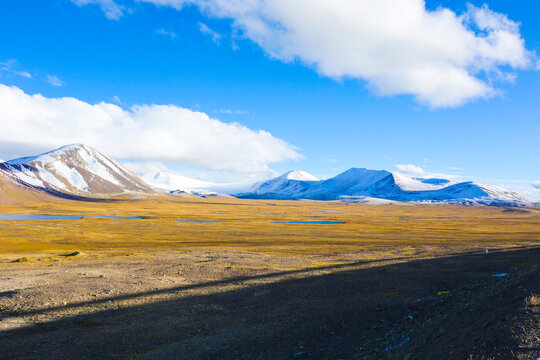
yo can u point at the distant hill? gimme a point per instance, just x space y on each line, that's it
380 184
172 182
177 184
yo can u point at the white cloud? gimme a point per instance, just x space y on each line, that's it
167 33
115 99
149 168
410 169
398 47
110 8
144 167
536 185
144 132
216 37
10 67
329 159
54 80
232 112
177 4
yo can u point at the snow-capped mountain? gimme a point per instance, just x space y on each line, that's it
383 185
73 170
169 181
284 186
177 184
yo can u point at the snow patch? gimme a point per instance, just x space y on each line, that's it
300 175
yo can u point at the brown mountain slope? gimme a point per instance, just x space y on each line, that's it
14 194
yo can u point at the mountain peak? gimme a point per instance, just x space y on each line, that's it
63 149
76 146
299 175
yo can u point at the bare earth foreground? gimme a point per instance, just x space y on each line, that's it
386 282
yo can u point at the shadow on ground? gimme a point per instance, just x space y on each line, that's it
444 308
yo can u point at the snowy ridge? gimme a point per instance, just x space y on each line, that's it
73 169
176 184
169 181
364 183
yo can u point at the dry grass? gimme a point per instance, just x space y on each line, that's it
251 225
532 301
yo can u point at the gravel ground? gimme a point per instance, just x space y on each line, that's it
243 305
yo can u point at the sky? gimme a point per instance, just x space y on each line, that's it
246 89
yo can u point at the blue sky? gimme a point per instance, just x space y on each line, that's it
333 116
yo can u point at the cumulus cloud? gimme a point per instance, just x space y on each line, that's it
110 8
216 37
144 132
536 185
10 67
54 80
410 169
441 58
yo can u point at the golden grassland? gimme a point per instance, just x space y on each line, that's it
251 225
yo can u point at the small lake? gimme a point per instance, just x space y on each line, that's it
199 221
22 217
314 222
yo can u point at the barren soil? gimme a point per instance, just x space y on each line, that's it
237 305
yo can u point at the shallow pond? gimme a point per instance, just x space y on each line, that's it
19 217
22 217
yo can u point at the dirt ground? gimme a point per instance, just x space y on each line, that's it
227 304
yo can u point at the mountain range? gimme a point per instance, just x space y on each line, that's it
358 183
82 173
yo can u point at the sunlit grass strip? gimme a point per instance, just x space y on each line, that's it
363 227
